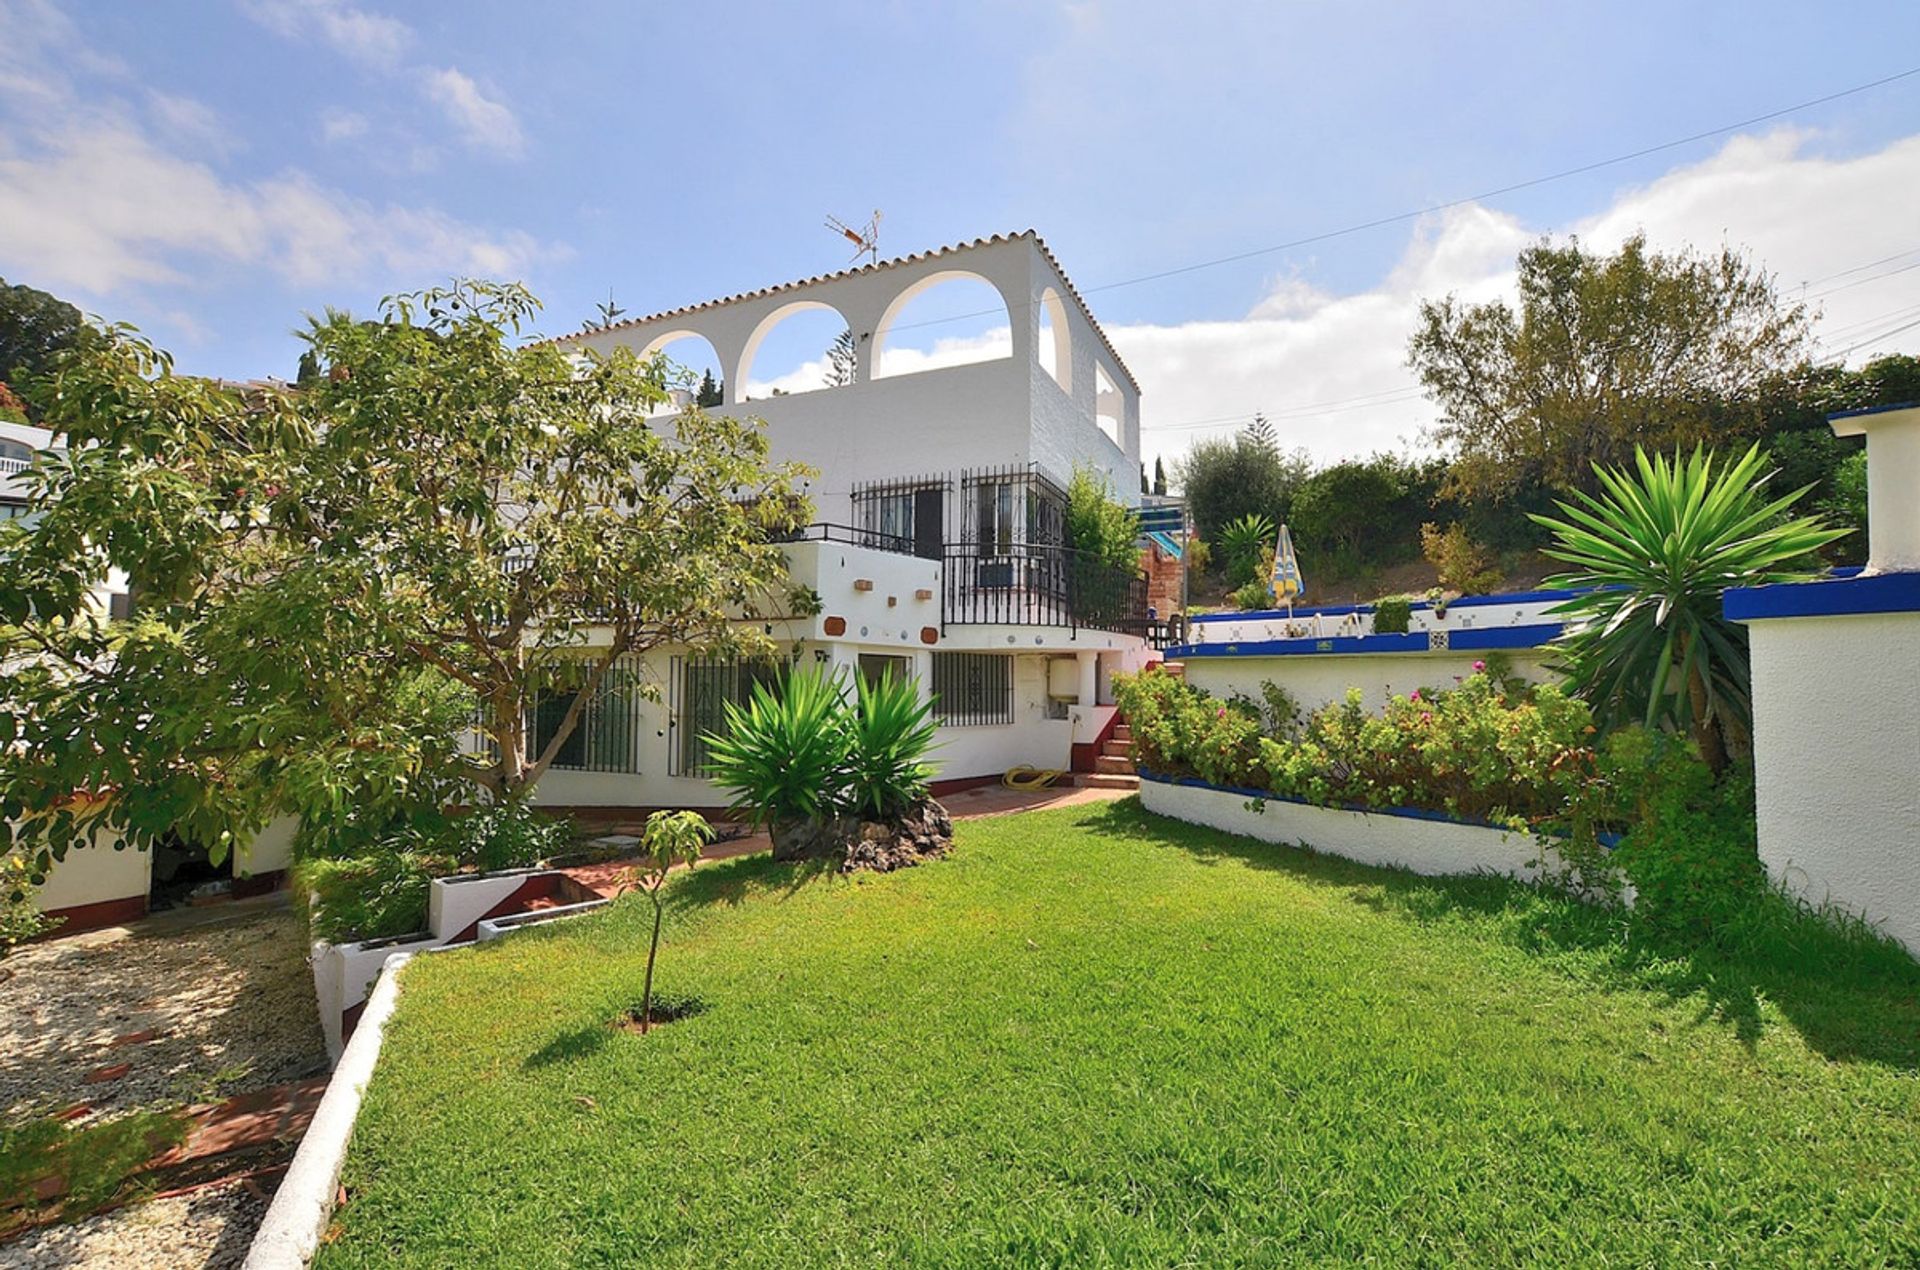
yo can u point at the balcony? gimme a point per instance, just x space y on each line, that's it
1028 584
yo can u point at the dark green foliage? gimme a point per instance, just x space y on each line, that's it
1098 525
1242 543
1224 480
1159 476
712 392
1392 616
35 328
1605 353
1367 512
377 886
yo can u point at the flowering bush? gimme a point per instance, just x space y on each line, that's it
1477 751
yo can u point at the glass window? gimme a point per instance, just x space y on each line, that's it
704 686
606 737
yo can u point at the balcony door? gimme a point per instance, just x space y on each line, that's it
929 522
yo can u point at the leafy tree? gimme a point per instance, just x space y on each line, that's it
1145 486
841 360
1461 563
1226 479
308 369
712 392
1098 525
444 528
1159 477
1361 511
34 328
12 409
1656 548
670 838
1605 353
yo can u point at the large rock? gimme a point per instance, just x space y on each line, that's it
924 832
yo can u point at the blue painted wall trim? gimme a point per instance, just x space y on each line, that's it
1874 593
1532 635
1871 410
1341 610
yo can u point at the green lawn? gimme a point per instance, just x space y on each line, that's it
1098 1037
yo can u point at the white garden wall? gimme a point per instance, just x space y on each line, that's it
1424 845
1836 703
1315 679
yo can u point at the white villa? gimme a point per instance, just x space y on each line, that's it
940 547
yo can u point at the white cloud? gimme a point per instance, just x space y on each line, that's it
103 208
482 121
369 38
1330 371
191 122
342 125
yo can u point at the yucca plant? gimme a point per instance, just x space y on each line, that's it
1242 540
783 756
1657 547
893 731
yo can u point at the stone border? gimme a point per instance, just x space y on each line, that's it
297 1219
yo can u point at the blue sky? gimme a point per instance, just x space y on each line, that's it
212 170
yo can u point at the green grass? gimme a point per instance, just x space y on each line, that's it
1098 1037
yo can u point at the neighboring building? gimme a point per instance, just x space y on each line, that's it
940 549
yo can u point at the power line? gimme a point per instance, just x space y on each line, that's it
1515 187
1861 282
1872 340
1898 255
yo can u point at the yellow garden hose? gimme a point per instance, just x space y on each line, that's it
1031 777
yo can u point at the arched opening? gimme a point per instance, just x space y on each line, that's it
951 318
1054 345
694 373
1108 407
799 347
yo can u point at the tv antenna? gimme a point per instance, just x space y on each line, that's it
865 240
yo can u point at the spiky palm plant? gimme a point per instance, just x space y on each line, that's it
1656 548
783 756
1241 542
893 730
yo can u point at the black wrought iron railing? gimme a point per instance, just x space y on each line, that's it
852 535
1021 584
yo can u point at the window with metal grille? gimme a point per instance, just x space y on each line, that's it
702 687
606 737
972 688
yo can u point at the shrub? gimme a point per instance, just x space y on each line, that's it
1463 565
1097 525
380 887
1392 616
20 918
669 838
1474 751
1252 597
1227 478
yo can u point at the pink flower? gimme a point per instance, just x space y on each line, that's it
1222 713
1414 695
1426 717
1479 666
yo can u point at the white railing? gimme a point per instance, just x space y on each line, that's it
9 466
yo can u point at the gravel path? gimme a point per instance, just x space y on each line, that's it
206 1228
227 995
228 999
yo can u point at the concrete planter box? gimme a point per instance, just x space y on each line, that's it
1423 842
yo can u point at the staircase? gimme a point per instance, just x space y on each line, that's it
1113 766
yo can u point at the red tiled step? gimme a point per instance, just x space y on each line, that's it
1113 765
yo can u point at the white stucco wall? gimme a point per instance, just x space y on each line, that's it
1315 679
1836 704
1008 411
94 875
1430 847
